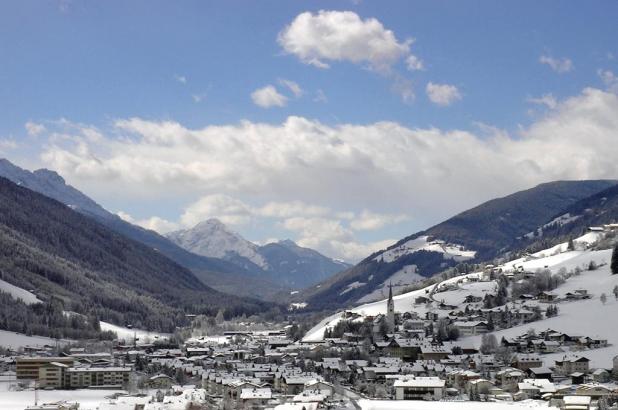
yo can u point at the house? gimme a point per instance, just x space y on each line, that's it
576 403
600 376
471 328
526 361
255 397
569 365
547 297
160 381
419 388
540 373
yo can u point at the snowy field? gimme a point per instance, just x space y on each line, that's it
88 399
18 293
17 340
450 405
127 334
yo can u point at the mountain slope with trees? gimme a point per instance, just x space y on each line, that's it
486 231
71 261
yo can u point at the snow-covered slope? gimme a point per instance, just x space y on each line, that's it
581 317
212 238
25 296
422 243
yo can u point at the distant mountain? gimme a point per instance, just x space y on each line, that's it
479 234
212 238
217 273
282 262
71 261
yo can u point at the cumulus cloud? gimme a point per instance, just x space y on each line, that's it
268 96
154 223
228 210
384 167
559 65
442 94
547 100
328 36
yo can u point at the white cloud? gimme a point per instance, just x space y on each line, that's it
289 209
384 167
198 98
154 223
228 210
7 145
34 129
559 65
326 36
609 79
268 96
292 86
414 63
547 100
442 94
180 78
369 221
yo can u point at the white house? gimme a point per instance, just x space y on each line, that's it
419 388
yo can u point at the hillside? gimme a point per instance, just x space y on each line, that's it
73 263
478 234
216 273
282 262
582 317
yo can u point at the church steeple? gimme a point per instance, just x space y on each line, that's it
390 309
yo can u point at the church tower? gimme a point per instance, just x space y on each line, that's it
390 310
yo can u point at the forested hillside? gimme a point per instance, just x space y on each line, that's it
47 247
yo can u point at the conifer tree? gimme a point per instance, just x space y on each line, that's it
614 265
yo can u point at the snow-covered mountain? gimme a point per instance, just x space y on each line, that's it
490 230
212 238
284 262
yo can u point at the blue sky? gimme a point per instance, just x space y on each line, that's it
499 79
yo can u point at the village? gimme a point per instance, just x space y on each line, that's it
449 345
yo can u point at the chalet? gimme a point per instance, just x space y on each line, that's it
600 376
540 373
509 378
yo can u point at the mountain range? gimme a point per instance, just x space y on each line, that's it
284 261
72 261
482 233
227 270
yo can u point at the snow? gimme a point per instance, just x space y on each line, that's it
17 340
583 318
89 399
559 221
400 280
127 334
213 239
450 405
422 243
28 298
352 286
